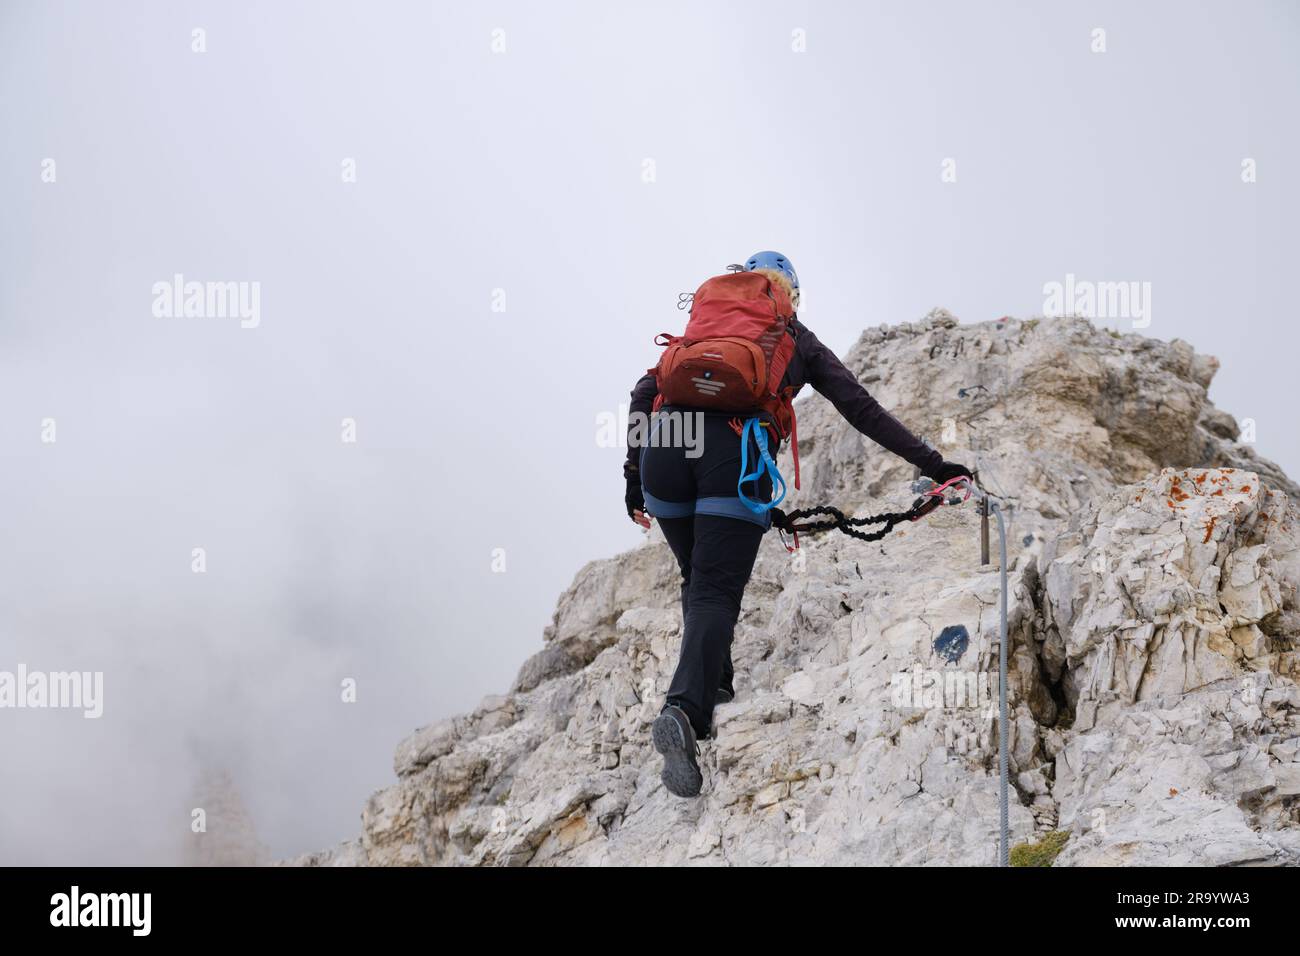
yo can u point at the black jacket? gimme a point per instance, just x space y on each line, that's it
816 365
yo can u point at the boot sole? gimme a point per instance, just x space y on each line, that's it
680 775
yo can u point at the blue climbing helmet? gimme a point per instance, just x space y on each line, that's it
772 260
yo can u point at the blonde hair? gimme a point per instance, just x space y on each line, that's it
783 280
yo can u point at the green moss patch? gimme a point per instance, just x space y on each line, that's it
1042 853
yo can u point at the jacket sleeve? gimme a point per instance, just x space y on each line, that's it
643 397
829 376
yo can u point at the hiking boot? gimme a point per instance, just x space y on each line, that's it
674 738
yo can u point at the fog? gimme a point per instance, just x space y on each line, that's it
463 242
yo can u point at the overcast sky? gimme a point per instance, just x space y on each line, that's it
390 181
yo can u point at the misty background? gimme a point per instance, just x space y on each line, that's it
523 171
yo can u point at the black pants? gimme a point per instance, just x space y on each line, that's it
715 540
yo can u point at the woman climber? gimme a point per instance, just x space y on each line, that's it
744 356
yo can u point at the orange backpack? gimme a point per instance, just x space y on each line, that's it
734 353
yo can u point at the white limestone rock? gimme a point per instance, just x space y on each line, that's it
1154 709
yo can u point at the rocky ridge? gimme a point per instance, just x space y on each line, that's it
1154 703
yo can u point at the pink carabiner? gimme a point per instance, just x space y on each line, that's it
938 490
